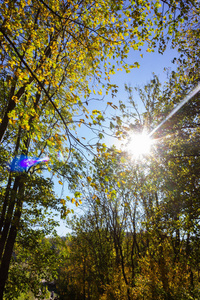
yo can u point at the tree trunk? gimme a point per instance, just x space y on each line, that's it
8 217
11 237
123 271
5 204
163 272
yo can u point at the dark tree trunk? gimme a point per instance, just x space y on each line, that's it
123 270
9 203
8 217
10 230
11 106
5 204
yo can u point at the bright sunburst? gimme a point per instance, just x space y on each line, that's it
139 145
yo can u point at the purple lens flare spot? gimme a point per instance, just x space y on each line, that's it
20 164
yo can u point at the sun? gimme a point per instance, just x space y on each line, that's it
139 145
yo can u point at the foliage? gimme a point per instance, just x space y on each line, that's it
50 52
146 209
35 261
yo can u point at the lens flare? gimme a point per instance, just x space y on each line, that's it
20 164
185 100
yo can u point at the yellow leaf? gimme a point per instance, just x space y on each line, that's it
60 182
14 98
89 179
100 92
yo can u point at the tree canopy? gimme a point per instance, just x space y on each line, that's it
52 56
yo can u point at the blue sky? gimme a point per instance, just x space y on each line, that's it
150 63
